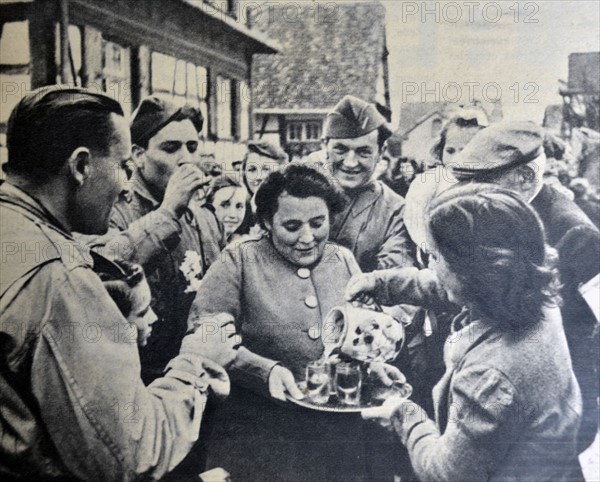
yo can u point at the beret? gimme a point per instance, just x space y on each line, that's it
352 117
268 149
497 149
156 111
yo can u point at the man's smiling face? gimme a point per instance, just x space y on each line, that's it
352 161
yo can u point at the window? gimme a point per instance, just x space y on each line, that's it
201 82
15 73
436 127
244 99
224 108
181 79
295 131
116 73
75 56
313 131
303 131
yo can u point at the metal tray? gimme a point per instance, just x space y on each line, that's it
371 396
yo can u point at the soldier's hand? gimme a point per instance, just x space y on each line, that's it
184 182
215 338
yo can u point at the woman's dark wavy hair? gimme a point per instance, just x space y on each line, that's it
299 181
495 243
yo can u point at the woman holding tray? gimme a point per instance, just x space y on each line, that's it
278 287
508 406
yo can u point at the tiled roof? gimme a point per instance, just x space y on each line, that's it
323 56
412 114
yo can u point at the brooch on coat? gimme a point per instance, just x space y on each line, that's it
191 267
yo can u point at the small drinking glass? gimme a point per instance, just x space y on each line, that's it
348 382
317 382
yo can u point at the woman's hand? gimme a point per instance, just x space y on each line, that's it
386 374
216 377
361 288
383 414
282 380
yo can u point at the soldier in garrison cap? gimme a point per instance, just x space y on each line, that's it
154 227
372 225
511 155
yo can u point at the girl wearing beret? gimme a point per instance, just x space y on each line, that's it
508 406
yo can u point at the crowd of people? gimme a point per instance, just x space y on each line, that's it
157 315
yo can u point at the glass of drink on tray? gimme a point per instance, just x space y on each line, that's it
317 382
348 382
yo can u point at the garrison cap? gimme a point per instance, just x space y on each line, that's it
352 117
497 149
156 111
268 149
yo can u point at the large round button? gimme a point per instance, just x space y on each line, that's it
314 332
304 273
311 301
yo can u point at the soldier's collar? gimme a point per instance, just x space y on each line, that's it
15 195
364 197
141 189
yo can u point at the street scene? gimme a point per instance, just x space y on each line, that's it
300 241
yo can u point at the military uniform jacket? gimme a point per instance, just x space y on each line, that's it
372 227
174 252
73 404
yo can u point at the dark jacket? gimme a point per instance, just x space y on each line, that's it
577 241
72 401
144 233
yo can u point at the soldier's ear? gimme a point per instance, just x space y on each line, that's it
79 164
138 154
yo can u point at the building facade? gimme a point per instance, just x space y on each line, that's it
193 49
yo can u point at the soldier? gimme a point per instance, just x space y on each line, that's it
73 403
372 225
153 226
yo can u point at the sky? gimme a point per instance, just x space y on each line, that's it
512 50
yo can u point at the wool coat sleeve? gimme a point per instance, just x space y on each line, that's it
480 420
